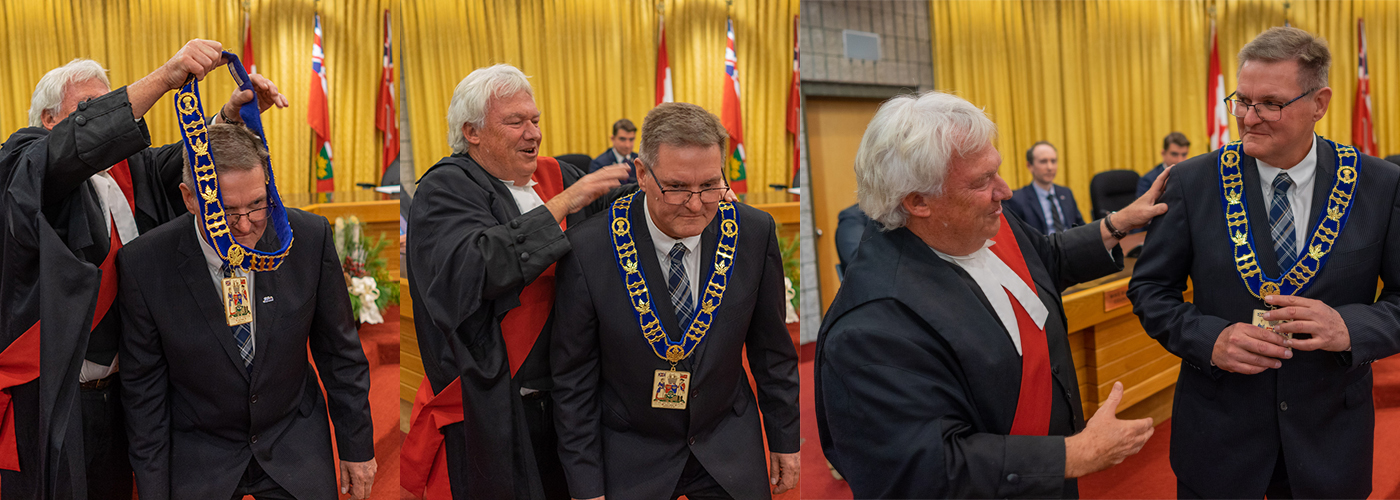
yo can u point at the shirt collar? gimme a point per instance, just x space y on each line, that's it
1041 192
511 184
664 242
1300 174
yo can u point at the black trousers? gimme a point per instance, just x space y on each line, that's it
697 484
104 443
1279 486
256 482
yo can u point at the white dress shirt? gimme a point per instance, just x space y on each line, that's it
116 210
1304 174
526 199
993 276
215 264
691 260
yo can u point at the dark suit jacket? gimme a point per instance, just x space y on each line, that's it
470 253
610 438
53 237
1145 182
850 227
195 416
1316 409
1025 204
917 379
607 158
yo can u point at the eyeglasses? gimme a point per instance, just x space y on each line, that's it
682 196
254 215
1267 111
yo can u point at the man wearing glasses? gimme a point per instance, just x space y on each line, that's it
665 294
216 410
1283 235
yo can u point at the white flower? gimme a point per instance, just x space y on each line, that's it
366 291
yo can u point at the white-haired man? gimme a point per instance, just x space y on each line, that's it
1289 226
485 229
943 366
79 182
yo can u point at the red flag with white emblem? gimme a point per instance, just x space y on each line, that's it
1217 117
1363 133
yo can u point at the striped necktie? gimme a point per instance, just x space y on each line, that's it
243 334
1281 220
679 284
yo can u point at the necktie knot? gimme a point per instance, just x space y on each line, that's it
1282 183
678 251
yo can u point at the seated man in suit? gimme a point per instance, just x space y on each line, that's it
665 294
1176 148
1047 206
943 367
1282 225
220 398
624 135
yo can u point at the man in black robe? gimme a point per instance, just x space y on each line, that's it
78 183
485 229
943 367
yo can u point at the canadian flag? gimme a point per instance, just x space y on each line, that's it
1217 117
664 93
247 57
794 115
1363 133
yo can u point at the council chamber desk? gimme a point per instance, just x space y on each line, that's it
1109 345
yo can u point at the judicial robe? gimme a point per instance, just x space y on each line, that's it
54 237
470 254
917 379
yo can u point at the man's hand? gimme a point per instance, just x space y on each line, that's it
197 57
729 196
1142 210
594 498
268 96
1306 315
783 470
585 190
1248 349
1105 440
356 478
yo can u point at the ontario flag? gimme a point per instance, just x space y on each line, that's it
794 114
664 93
247 56
386 115
731 118
1363 133
319 116
1217 117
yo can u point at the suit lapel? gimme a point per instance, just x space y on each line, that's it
1261 232
1035 210
655 279
708 246
208 296
267 312
1323 176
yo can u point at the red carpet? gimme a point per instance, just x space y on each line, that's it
1147 474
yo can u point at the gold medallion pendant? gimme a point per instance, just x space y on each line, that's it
670 390
1260 322
237 308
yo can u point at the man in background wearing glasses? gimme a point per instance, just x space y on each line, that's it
665 292
1295 227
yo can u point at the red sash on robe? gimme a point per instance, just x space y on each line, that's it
423 455
19 362
1033 404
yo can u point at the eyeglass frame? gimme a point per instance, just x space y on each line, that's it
234 217
692 194
1249 107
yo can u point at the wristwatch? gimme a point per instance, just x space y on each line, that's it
1107 221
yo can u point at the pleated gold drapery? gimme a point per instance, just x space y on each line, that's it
592 62
133 38
1105 81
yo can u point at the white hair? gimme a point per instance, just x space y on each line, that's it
470 98
907 148
48 94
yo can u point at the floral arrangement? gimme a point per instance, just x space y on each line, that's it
792 274
366 275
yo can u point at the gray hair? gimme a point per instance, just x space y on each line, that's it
679 124
1291 44
48 94
232 147
474 93
907 149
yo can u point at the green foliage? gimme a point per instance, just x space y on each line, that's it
360 257
792 266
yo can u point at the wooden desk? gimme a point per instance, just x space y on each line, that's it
379 218
1109 345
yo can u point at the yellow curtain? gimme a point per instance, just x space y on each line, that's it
1105 81
592 62
135 37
